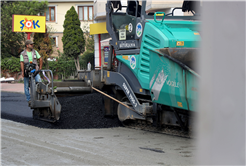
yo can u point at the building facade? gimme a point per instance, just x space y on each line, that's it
55 16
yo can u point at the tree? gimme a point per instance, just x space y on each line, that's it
12 43
43 44
90 43
73 37
87 57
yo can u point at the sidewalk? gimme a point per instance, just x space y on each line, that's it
15 87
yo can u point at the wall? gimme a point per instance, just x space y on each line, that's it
62 8
57 26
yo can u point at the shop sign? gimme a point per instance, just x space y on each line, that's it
106 54
28 23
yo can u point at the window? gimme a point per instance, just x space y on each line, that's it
50 14
85 13
54 40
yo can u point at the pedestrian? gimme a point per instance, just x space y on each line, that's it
89 66
27 56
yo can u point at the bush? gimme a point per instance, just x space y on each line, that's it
86 58
63 66
11 65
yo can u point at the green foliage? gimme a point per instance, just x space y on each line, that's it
12 43
90 43
73 38
43 44
63 66
11 65
86 58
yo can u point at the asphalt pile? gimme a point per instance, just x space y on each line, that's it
78 112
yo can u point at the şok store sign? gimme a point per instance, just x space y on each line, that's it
28 23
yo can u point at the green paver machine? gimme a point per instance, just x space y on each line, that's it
150 75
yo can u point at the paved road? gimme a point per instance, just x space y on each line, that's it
15 104
29 145
9 87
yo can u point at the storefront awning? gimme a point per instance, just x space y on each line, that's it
105 42
98 28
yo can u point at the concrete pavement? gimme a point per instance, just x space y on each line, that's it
12 87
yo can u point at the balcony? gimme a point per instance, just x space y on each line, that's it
151 6
100 9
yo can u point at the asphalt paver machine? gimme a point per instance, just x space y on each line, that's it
150 76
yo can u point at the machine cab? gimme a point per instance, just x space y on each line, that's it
125 28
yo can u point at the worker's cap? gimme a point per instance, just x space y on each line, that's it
29 42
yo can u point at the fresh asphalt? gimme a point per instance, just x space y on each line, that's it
82 111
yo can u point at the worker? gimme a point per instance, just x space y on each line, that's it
29 55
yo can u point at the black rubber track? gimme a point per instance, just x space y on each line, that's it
78 112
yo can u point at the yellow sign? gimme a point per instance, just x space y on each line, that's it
180 43
125 57
98 28
179 104
28 23
108 74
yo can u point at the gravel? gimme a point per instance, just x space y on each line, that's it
78 112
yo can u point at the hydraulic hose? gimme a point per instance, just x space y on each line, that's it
46 76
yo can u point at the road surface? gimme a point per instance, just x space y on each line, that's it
24 144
